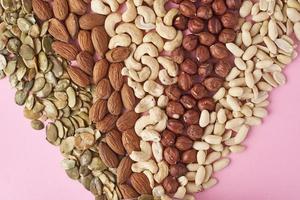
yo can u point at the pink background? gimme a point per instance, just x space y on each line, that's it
268 170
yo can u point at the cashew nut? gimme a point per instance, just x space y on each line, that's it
165 79
173 44
139 22
153 88
130 62
146 165
161 125
152 64
155 39
169 65
162 101
156 114
150 135
157 151
169 17
158 191
137 88
140 76
147 13
167 32
121 1
138 2
159 7
113 4
150 178
122 40
145 48
97 6
130 14
142 123
143 155
129 28
183 180
163 172
180 193
110 23
145 104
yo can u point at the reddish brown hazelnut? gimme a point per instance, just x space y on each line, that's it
227 36
178 55
222 68
185 81
207 38
219 51
187 8
180 22
234 4
213 84
184 143
189 156
229 20
188 66
202 53
206 1
205 70
187 101
173 92
175 126
171 155
206 104
170 185
178 170
198 91
191 117
190 42
174 110
214 25
195 132
219 7
196 25
168 138
204 12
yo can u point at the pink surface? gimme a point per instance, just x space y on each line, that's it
268 170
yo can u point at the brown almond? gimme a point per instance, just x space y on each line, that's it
78 7
72 25
91 20
60 9
127 120
115 75
140 183
131 141
124 170
98 110
114 141
58 30
85 41
103 89
118 54
65 50
114 103
128 97
42 9
86 62
100 40
78 76
107 123
108 157
128 192
100 70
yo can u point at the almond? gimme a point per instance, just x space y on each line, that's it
42 9
140 183
58 30
131 141
128 192
98 110
72 25
108 157
127 120
65 50
107 123
103 89
91 20
100 70
118 54
128 97
100 40
114 141
78 76
85 41
86 62
115 75
124 170
60 9
114 103
78 7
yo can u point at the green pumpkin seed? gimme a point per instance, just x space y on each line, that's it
46 44
68 164
20 97
60 128
71 97
44 28
37 45
57 68
2 74
27 6
43 61
3 62
51 133
30 101
73 173
51 78
37 125
13 45
47 89
13 80
50 109
29 114
67 145
26 52
24 25
21 73
34 31
61 96
10 68
29 41
62 85
38 107
39 83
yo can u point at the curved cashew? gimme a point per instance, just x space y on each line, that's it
180 193
121 1
169 65
150 135
155 39
145 104
140 76
130 62
113 4
167 32
130 14
165 79
150 177
129 28
137 88
169 17
142 123
147 13
143 49
163 172
138 2
158 191
173 44
183 180
162 101
157 151
153 88
152 64
139 22
156 114
159 7
110 23
97 6
161 125
146 165
122 40
143 155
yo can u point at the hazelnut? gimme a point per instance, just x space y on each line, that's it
175 126
187 101
214 25
204 12
187 8
205 70
190 42
227 36
178 55
171 155
180 22
174 110
219 7
170 184
178 170
229 20
173 92
191 117
189 156
206 1
202 53
168 138
185 81
189 66
195 132
183 143
207 38
198 91
219 51
234 4
206 104
195 25
213 84
222 68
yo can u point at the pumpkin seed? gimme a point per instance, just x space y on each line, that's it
37 125
20 97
